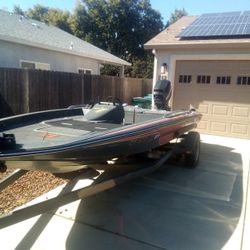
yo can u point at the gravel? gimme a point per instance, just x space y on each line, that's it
27 188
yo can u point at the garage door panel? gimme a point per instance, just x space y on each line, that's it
219 126
221 110
203 125
225 107
203 108
239 129
241 112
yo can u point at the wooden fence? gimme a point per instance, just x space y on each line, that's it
23 91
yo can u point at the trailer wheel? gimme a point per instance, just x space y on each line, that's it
192 155
3 167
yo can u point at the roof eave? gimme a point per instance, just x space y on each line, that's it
199 45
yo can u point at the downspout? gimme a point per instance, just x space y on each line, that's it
121 71
154 76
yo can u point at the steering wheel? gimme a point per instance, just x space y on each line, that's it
114 100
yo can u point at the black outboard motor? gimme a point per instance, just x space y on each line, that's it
162 94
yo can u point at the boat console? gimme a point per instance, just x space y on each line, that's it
106 112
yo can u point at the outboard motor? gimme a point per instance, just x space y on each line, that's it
162 94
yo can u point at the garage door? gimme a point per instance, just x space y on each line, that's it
220 90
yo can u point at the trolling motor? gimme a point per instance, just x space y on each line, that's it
162 94
7 141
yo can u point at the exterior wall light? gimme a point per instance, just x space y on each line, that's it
164 67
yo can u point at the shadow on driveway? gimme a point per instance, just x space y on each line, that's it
173 208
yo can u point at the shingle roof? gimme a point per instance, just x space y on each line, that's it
168 37
24 30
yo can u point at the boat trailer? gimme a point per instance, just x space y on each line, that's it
187 145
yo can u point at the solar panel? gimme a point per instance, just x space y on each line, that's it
218 25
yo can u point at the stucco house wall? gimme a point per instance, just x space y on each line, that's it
12 53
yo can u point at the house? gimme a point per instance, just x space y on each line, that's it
27 43
207 59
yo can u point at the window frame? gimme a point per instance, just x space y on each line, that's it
223 80
37 65
185 79
85 71
203 79
242 78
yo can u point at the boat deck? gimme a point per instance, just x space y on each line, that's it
65 130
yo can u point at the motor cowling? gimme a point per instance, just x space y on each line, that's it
162 94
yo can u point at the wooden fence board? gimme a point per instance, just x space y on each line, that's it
23 91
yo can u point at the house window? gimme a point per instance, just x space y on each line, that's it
203 79
28 65
243 80
88 71
83 71
34 65
185 78
42 66
223 80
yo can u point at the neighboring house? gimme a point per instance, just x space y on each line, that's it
27 43
207 59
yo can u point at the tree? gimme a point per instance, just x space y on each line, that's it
177 14
120 27
38 12
59 18
56 17
17 10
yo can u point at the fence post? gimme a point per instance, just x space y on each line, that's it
26 96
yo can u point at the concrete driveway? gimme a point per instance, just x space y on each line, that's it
173 208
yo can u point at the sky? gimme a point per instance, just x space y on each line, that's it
165 7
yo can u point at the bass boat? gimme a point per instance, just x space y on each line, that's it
69 139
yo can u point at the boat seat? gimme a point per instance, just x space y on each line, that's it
106 112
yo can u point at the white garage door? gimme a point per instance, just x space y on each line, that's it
220 90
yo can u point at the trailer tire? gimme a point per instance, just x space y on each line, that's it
3 167
192 155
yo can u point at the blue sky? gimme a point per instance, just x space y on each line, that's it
165 7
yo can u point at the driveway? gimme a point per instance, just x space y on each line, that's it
172 208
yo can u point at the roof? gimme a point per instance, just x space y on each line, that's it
168 38
24 30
